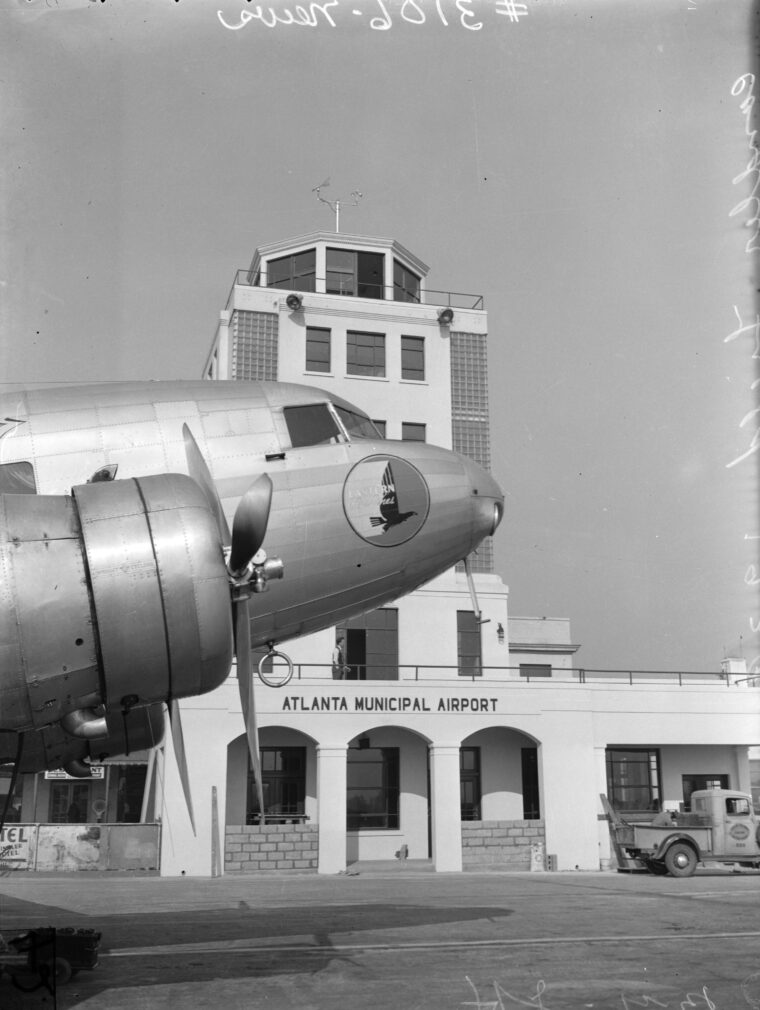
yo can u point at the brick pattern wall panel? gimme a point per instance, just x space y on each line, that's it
252 848
500 845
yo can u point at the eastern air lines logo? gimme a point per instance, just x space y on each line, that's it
386 500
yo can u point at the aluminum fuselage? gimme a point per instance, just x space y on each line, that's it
336 565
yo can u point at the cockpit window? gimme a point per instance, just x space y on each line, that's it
312 424
17 478
317 424
357 425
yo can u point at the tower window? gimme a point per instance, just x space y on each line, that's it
365 353
406 285
317 349
296 272
413 358
371 645
411 431
355 273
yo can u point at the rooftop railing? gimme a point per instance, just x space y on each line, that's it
490 676
379 292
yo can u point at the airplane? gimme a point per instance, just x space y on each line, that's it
123 586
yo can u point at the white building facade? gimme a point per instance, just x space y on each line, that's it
470 744
452 731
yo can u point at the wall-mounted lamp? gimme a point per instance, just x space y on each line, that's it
294 302
500 633
445 317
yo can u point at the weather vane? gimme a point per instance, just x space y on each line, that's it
334 205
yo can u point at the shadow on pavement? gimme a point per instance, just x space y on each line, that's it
310 929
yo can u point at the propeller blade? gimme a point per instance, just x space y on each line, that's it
249 526
245 685
178 740
200 473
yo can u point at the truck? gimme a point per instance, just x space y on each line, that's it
721 827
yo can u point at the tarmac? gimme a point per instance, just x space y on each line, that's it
398 937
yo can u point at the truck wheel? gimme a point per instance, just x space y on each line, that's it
681 860
60 969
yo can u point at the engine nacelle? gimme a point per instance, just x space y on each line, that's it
116 596
52 747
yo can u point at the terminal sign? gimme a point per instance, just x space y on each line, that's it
339 703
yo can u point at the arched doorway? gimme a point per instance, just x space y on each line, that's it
387 795
285 838
500 799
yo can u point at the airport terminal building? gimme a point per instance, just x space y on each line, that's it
444 729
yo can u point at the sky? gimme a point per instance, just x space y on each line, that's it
585 165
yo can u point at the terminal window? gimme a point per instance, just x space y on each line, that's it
469 655
469 783
633 778
372 788
283 778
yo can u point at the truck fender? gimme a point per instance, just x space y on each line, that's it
676 836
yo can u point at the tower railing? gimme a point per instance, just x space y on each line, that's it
379 292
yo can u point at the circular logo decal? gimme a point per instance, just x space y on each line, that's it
739 832
386 500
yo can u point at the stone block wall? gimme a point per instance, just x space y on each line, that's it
250 848
500 845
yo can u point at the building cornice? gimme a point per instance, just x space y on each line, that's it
328 238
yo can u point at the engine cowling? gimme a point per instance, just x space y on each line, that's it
52 747
116 596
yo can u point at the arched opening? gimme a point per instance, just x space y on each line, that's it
285 838
387 796
500 800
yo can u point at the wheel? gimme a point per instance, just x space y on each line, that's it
60 969
656 867
681 860
63 970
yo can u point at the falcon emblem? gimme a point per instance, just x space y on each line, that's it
390 515
386 500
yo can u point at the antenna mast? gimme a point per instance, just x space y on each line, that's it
334 205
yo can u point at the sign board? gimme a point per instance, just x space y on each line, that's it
96 772
15 845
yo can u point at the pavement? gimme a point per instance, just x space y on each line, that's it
399 937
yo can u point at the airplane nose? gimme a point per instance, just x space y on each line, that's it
487 499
